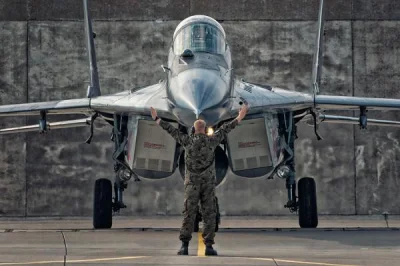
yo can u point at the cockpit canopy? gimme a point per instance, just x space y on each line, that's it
200 37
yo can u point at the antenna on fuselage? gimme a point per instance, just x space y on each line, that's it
317 63
94 87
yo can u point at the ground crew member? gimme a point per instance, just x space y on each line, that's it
199 176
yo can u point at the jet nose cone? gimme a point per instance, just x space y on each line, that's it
198 89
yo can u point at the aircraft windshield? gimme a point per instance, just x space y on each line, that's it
200 37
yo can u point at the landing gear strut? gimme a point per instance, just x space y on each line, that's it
104 203
306 203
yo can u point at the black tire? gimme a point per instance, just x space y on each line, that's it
102 204
308 215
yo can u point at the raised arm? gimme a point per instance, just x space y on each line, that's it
224 130
180 137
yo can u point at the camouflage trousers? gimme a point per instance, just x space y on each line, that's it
199 188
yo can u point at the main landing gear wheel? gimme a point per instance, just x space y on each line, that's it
308 216
102 204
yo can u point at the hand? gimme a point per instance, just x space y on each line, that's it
153 113
242 112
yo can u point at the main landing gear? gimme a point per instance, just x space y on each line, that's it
306 202
104 204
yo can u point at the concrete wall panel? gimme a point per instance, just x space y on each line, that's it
13 10
356 172
12 148
376 65
270 9
376 10
108 9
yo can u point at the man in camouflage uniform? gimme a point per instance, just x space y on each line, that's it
199 176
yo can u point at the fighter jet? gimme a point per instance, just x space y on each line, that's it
200 83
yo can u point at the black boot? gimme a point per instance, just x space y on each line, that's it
184 250
210 251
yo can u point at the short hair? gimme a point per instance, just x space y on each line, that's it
199 124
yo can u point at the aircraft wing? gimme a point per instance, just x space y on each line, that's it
327 102
75 106
136 101
262 98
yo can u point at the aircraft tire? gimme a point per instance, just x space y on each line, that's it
102 204
308 215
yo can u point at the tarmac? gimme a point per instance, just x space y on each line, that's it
338 241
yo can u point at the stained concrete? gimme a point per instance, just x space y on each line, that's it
376 10
108 9
45 10
377 62
158 246
271 9
355 172
15 10
13 84
132 49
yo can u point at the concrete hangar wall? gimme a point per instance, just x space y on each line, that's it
42 58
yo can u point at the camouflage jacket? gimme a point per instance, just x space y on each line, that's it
199 148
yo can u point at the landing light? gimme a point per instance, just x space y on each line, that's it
210 131
283 172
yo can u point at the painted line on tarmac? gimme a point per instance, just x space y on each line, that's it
226 229
72 261
202 254
304 262
201 249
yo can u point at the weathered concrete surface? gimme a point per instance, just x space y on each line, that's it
126 52
376 10
228 223
46 10
158 247
12 90
13 10
60 169
129 54
280 53
377 61
108 9
270 9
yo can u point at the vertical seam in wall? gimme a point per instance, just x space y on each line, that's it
28 14
190 7
26 118
354 126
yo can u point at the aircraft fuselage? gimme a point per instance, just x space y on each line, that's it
199 72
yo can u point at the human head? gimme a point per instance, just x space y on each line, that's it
199 127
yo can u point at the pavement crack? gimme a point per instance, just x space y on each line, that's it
275 262
65 249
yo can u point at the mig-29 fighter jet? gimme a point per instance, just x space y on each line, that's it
200 83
